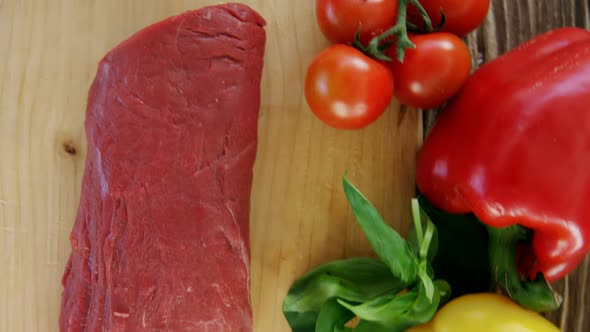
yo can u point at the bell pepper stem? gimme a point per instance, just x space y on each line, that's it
537 294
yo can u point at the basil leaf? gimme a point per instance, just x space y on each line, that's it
400 312
333 317
355 280
302 321
366 326
424 221
362 326
391 248
426 281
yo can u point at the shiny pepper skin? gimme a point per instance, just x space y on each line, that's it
514 148
485 313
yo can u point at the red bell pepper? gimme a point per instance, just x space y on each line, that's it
514 148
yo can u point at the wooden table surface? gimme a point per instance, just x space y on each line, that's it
299 219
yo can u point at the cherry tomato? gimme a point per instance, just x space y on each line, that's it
346 89
462 16
433 71
340 20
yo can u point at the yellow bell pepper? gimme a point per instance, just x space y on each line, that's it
485 313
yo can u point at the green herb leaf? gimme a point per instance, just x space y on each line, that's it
398 312
356 280
445 291
366 326
333 317
416 237
391 248
337 317
386 295
426 281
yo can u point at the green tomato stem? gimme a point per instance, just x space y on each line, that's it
400 29
427 21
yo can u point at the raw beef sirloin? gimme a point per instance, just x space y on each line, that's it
161 238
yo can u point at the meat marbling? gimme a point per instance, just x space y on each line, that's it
161 238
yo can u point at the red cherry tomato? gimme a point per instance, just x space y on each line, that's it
346 89
462 16
432 72
340 20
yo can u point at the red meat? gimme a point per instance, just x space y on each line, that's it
161 239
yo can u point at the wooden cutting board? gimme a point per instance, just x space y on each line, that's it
48 56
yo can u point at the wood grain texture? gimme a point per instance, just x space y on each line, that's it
48 56
299 219
508 24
